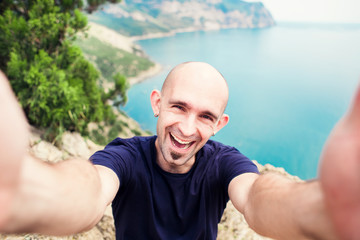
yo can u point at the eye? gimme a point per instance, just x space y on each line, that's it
207 117
178 107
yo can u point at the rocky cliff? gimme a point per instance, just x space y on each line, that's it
151 17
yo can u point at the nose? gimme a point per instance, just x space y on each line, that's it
188 126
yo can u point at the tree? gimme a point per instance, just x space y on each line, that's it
118 94
55 84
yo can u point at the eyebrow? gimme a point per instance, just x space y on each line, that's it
186 105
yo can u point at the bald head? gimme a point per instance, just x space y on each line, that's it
190 108
198 76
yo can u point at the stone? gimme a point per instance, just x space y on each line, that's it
75 145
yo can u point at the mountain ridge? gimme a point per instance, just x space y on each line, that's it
151 17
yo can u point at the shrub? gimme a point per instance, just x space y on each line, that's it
56 86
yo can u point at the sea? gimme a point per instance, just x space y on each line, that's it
289 85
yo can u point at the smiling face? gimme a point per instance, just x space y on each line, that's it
190 107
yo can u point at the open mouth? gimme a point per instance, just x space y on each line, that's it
180 143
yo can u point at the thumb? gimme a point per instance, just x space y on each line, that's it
353 114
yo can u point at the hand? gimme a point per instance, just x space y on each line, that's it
340 173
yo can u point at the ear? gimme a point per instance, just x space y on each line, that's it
155 98
222 122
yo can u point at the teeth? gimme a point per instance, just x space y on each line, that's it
182 142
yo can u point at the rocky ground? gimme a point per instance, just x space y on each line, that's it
232 226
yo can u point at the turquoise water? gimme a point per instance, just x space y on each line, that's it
288 84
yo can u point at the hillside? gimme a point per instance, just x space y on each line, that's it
154 17
113 53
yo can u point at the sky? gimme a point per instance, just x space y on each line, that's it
341 11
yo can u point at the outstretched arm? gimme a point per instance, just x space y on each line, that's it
281 208
35 196
13 143
328 208
340 173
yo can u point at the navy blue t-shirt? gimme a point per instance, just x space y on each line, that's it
154 204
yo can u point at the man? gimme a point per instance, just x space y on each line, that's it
176 184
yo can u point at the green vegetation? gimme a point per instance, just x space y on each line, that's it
110 60
103 135
121 126
56 86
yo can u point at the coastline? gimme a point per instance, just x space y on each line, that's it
192 29
157 68
128 44
153 71
168 34
143 76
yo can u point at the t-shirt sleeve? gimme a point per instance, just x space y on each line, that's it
233 164
116 157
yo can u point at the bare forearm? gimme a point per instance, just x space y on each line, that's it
283 209
35 196
55 199
13 141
